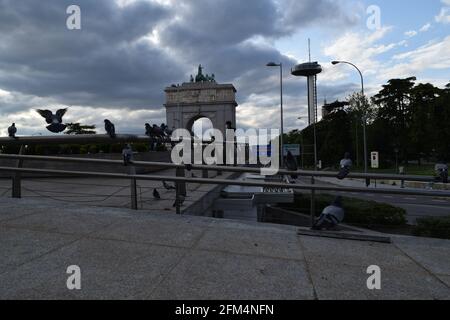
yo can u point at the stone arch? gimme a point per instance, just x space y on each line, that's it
191 123
191 101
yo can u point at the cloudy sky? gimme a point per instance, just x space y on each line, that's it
127 51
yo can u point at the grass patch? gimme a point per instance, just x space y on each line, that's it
357 212
433 227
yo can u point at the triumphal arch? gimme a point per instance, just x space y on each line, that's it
202 97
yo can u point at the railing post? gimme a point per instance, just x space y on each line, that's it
180 189
313 203
177 199
133 188
17 178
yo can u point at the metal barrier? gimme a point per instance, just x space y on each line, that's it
180 179
328 174
16 171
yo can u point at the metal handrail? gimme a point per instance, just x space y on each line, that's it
229 182
327 174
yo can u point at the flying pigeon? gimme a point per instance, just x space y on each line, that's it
168 187
291 164
110 128
12 131
331 216
442 172
179 201
345 166
156 194
54 120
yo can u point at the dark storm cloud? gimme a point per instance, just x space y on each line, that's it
102 64
107 64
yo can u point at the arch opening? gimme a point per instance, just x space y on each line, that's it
199 127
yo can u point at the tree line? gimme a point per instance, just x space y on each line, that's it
405 122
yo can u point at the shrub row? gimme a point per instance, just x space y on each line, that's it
357 211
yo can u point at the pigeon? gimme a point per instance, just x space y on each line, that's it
148 130
442 172
179 201
156 194
291 164
54 120
168 187
331 216
110 128
127 154
345 165
12 131
166 130
157 131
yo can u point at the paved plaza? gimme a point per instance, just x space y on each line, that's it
126 254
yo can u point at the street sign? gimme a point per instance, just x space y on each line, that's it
293 148
375 160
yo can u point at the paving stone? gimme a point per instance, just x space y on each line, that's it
109 270
266 244
20 246
215 275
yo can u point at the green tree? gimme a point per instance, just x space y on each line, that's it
392 117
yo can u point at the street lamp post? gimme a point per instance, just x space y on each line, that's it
273 64
364 116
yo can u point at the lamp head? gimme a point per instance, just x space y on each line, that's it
272 64
335 62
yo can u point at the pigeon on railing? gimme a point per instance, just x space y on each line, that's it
12 130
54 120
156 194
442 172
110 128
345 167
157 131
166 130
148 130
127 154
167 186
331 216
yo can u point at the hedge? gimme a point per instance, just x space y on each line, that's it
433 227
357 211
